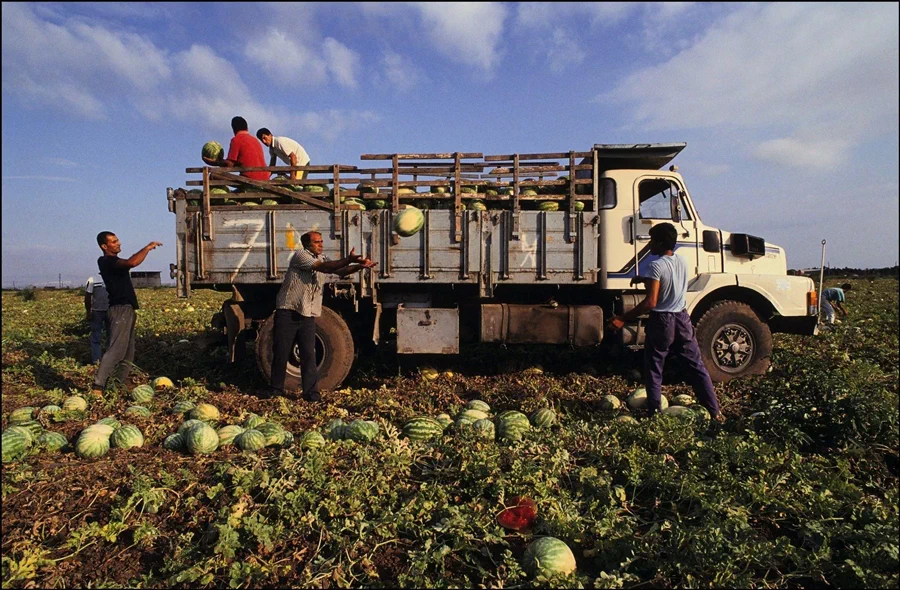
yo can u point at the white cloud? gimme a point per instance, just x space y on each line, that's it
803 154
287 60
400 73
343 63
331 124
466 32
549 14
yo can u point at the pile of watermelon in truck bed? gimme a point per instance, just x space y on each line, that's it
509 249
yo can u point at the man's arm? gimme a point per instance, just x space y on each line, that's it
138 257
352 268
333 266
647 303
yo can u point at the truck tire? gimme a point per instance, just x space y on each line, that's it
334 352
733 341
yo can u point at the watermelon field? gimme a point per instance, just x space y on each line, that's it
797 489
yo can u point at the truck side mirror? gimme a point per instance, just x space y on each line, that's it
711 241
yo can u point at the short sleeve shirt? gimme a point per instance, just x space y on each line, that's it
303 287
99 296
283 147
834 294
246 152
671 272
117 281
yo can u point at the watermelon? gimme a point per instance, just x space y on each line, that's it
637 399
535 370
472 415
253 420
50 409
288 439
682 400
511 425
520 514
250 440
206 412
213 150
422 428
429 373
269 202
273 432
361 430
22 415
53 441
188 424
468 190
548 556
579 205
352 202
142 394
678 411
100 428
334 430
75 403
32 426
315 188
91 444
627 419
126 437
610 402
228 433
477 404
377 204
444 419
137 411
110 421
408 222
702 413
476 206
528 192
183 407
462 424
484 428
16 442
543 418
162 383
219 190
366 188
200 439
174 442
311 440
548 206
440 189
251 204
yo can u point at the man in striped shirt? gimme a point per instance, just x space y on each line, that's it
298 304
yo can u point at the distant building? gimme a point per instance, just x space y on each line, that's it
145 279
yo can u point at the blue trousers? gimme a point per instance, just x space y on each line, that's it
99 324
673 333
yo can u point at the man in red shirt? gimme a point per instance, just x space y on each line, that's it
245 151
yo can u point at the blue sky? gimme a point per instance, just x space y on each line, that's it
790 111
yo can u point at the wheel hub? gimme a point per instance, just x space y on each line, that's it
733 348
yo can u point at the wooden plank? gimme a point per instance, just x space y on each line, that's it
267 187
446 156
511 157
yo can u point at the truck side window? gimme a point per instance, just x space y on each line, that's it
655 196
606 198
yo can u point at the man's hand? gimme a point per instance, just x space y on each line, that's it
615 323
366 263
353 257
153 245
210 161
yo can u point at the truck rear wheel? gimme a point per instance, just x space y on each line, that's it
334 352
733 341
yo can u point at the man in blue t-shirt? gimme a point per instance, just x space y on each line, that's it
116 276
831 299
669 327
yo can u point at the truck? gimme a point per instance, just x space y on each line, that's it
514 249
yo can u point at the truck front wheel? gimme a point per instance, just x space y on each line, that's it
334 352
733 341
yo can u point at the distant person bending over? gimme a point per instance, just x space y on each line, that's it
834 297
285 148
298 304
243 152
96 304
669 328
122 305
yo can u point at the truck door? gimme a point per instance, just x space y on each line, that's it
663 200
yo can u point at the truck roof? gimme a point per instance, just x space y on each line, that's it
640 156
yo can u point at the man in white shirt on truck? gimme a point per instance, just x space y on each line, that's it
286 149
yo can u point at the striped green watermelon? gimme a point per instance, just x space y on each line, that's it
440 189
188 424
543 418
288 439
100 429
683 400
626 418
16 442
477 404
476 206
702 413
548 206
610 402
50 409
201 439
334 430
484 428
463 424
75 403
273 432
91 444
110 421
311 440
137 411
376 204
53 441
422 428
250 440
228 433
511 425
32 426
361 430
472 415
316 188
127 436
174 442
269 202
444 419
183 407
679 411
408 222
579 205
253 420
142 394
548 556
22 415
205 412
213 150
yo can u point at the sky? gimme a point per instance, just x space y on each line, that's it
789 111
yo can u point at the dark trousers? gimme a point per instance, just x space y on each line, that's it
673 332
291 327
120 353
99 324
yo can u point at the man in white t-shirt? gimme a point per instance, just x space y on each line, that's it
285 148
96 304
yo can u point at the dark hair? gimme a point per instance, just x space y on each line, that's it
239 124
846 286
102 237
262 131
306 239
665 234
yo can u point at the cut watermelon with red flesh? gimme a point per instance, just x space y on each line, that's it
520 515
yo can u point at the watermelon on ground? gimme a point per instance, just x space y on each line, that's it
543 418
91 444
142 394
548 556
311 440
16 442
126 437
250 440
477 404
361 430
53 441
511 425
484 428
422 428
201 439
